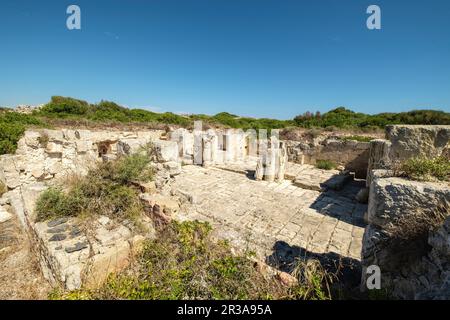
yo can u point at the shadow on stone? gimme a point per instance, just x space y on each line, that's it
347 270
341 204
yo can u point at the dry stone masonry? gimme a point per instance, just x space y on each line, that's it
266 195
418 268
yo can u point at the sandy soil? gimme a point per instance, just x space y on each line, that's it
20 276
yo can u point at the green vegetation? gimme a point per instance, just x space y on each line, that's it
325 164
424 169
344 118
106 190
12 127
183 262
63 110
357 138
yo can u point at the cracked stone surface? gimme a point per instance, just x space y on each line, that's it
259 214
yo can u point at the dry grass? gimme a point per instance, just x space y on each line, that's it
3 188
417 224
20 275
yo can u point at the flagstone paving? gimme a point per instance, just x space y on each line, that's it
257 214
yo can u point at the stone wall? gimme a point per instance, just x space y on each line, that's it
69 255
417 267
418 141
352 155
46 154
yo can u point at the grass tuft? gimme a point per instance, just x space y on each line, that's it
424 169
325 164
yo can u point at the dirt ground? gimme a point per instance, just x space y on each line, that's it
20 275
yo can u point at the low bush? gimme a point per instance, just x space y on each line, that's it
325 164
106 190
12 127
424 169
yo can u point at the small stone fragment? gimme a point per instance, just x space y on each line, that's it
58 237
77 247
58 229
75 232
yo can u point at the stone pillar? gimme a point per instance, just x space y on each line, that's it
282 158
271 163
378 157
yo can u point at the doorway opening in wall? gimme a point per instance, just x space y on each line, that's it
104 148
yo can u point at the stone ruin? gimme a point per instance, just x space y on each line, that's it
262 191
418 269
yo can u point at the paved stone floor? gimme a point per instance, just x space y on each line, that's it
261 215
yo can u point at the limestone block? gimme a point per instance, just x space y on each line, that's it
9 170
55 135
4 215
30 194
83 146
31 139
417 140
108 237
129 145
378 157
54 148
166 150
174 168
159 207
111 260
389 198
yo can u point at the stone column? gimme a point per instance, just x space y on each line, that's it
271 163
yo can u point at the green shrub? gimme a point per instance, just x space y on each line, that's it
3 188
345 118
325 164
12 127
53 202
105 190
65 106
424 169
183 262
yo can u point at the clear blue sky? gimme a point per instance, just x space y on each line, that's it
250 57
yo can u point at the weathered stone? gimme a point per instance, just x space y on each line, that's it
77 247
75 232
57 237
166 151
378 157
392 197
58 229
174 168
417 141
57 222
363 195
101 265
4 215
